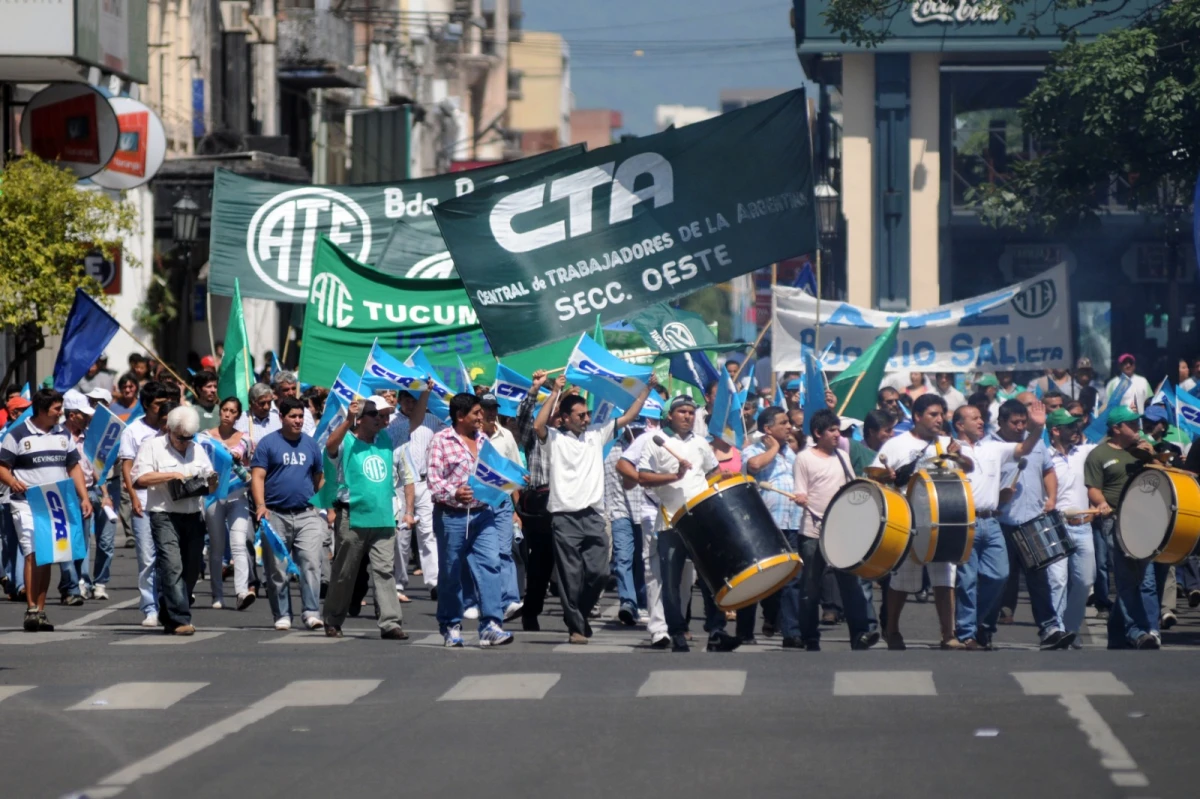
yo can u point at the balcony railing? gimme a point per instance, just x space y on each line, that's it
316 48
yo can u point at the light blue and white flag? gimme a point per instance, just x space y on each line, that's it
57 523
495 476
725 422
102 441
1165 396
510 387
385 371
347 386
605 376
336 409
462 380
440 392
267 537
1098 427
222 461
652 408
814 389
274 366
25 392
1187 413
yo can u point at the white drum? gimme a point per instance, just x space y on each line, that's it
867 529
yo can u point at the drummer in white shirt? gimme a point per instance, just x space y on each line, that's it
902 456
982 578
1071 579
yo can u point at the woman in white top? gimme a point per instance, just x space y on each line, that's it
167 467
233 514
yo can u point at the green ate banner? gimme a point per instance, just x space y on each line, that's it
265 234
350 305
620 228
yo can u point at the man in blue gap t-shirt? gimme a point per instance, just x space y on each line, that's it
284 474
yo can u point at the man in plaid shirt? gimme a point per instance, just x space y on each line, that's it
465 527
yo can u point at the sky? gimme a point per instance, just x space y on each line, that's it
689 51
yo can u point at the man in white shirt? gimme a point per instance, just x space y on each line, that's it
1138 392
262 417
155 399
649 521
902 456
1071 579
576 502
413 428
675 471
982 578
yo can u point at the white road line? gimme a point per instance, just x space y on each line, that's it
305 693
683 682
12 690
152 639
1129 779
100 614
884 683
139 696
1113 754
305 637
593 649
33 639
1057 683
501 686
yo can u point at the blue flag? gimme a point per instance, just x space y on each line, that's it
780 400
495 476
347 386
814 389
25 392
222 461
267 537
88 330
604 375
384 370
25 414
806 279
1165 396
510 387
1187 412
335 413
440 392
274 366
1098 427
57 523
725 422
693 368
102 441
463 379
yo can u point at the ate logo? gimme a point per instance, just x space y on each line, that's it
374 469
333 301
284 230
435 267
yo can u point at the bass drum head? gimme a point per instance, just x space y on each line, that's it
922 512
1145 516
761 580
852 523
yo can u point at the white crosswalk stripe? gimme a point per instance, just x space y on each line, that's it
685 682
305 638
884 683
165 640
12 690
139 696
33 639
501 686
1057 683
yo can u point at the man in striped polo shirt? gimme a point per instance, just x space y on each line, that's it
37 452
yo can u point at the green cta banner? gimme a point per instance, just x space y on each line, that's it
266 233
415 251
636 223
351 305
668 329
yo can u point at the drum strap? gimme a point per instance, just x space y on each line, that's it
845 468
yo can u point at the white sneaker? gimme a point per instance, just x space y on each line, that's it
513 610
98 591
643 616
313 623
151 620
217 605
85 591
471 613
283 625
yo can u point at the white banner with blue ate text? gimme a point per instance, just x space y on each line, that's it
1026 326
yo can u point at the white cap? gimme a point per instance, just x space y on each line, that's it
100 394
74 401
379 402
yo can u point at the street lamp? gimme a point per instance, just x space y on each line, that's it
827 209
185 221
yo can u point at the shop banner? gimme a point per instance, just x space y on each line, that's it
636 223
351 305
266 233
1022 327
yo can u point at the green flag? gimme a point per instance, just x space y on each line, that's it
856 387
668 329
233 377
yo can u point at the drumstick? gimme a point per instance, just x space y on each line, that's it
1021 464
769 487
1069 512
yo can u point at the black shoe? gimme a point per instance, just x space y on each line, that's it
1066 641
30 625
530 624
44 625
1147 641
433 594
246 601
748 640
627 616
1054 641
587 630
191 600
661 643
394 634
1167 621
1193 599
679 643
812 646
768 629
866 640
721 641
793 643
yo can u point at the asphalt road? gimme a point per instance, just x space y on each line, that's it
104 708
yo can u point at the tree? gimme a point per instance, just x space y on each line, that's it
47 225
1122 111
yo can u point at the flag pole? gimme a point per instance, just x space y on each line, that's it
849 394
150 350
212 341
774 281
817 341
753 348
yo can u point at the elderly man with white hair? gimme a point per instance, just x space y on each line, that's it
176 475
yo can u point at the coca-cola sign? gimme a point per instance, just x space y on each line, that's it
955 11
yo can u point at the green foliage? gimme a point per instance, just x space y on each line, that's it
47 225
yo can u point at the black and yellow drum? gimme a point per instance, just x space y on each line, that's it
943 509
1158 516
735 545
868 529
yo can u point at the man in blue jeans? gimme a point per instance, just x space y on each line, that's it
981 579
1133 620
1034 492
623 508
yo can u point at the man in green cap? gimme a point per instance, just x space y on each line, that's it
1133 620
1072 578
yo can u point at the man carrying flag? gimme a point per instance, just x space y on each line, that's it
576 503
36 452
72 589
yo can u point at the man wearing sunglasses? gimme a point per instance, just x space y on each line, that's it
1071 579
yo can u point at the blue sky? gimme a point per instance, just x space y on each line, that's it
689 51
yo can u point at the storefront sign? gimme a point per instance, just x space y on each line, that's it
955 11
71 124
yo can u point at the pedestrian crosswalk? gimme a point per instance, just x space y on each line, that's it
139 696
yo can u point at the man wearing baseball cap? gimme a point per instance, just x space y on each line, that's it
1134 389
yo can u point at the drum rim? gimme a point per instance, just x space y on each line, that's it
713 489
934 516
750 571
878 532
1162 545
